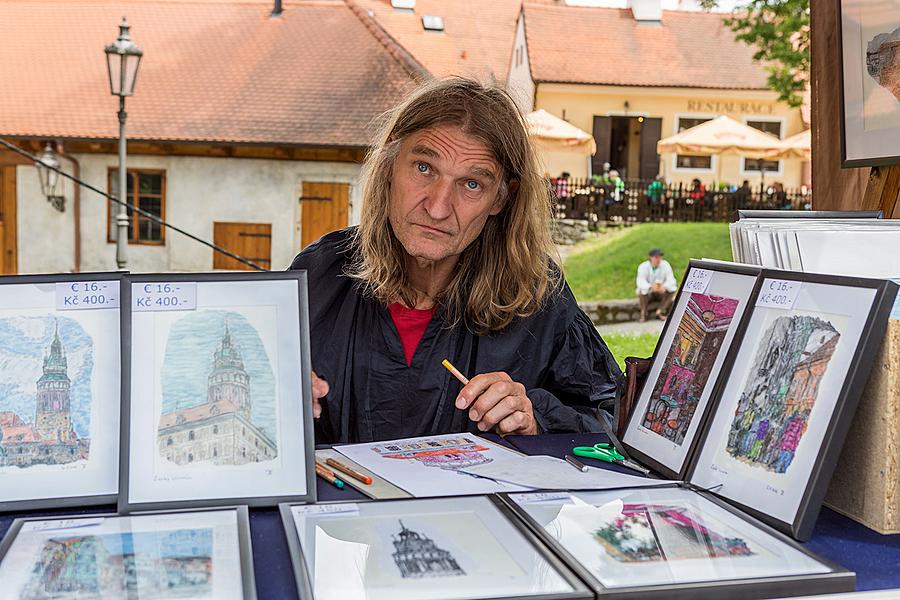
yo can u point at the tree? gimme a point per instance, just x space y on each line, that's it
779 32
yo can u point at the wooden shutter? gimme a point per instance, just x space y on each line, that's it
252 241
650 135
8 261
325 207
603 138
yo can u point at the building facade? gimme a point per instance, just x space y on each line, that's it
417 556
221 430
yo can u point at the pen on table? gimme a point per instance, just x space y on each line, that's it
331 462
329 476
576 463
449 366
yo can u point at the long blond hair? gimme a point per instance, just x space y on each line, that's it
508 271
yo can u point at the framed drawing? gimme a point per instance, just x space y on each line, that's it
673 542
791 390
869 34
59 376
180 554
216 392
705 320
425 549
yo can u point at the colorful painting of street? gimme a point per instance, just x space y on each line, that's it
687 366
781 390
651 532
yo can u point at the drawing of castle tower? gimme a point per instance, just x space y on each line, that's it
228 379
53 419
418 556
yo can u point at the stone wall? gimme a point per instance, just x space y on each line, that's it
607 312
569 231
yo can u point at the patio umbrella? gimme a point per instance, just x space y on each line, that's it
796 146
552 134
722 135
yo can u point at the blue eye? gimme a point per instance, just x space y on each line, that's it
422 167
473 185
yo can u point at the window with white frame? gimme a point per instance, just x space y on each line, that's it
756 165
692 161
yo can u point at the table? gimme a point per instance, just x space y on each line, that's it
875 558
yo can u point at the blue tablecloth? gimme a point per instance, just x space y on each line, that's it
875 558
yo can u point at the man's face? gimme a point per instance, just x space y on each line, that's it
443 188
654 260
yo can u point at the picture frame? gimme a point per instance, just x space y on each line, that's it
707 317
770 449
809 214
222 414
437 552
867 37
59 414
204 553
667 542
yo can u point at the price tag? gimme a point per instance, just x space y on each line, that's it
158 296
697 281
57 524
82 295
327 509
779 293
535 497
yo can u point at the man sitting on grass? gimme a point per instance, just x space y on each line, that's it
655 282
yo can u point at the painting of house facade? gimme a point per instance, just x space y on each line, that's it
687 366
218 393
46 365
167 564
781 390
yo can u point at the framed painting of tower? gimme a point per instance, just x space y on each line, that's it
59 390
706 319
460 548
216 398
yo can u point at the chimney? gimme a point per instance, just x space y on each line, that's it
647 12
277 10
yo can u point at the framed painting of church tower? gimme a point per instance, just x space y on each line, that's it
216 399
59 390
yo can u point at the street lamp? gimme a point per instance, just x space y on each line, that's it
51 183
123 58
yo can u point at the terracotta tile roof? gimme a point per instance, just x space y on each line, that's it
9 419
14 435
607 46
196 413
477 39
213 71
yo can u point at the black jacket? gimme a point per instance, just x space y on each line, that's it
556 354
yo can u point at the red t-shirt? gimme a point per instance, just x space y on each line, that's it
411 324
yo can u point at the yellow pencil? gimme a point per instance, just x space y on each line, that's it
455 372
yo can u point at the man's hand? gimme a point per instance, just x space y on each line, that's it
497 402
657 288
319 391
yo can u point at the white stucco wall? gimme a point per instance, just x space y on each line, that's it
519 83
199 191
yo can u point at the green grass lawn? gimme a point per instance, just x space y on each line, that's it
604 267
626 344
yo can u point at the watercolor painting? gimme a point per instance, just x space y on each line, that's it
151 564
218 393
450 454
417 556
650 533
781 390
46 365
686 369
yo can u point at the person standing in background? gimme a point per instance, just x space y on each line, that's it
655 281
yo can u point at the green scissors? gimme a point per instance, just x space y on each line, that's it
608 453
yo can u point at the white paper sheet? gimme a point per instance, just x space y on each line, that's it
431 466
550 473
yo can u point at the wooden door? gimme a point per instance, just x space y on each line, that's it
651 132
252 241
8 261
603 137
325 207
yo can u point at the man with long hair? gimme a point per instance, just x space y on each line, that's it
451 260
